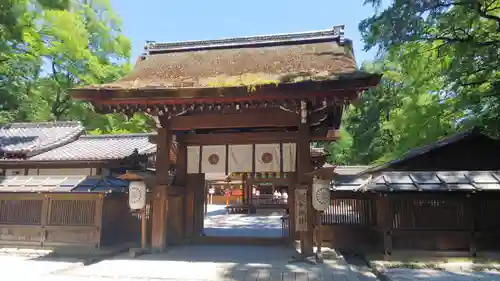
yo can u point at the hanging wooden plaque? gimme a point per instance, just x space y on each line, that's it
301 209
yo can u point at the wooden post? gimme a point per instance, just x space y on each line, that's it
181 180
144 228
244 191
160 191
471 207
207 197
384 221
292 183
303 167
319 233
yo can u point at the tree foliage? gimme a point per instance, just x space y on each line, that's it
466 35
48 47
440 60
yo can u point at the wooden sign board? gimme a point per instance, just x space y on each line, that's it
301 209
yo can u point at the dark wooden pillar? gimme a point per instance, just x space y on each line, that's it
471 207
180 181
244 191
292 184
160 190
181 161
384 223
303 167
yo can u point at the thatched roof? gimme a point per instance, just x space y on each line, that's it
259 60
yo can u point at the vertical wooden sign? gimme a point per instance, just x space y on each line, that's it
301 209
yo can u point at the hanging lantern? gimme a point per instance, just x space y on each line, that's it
137 195
321 194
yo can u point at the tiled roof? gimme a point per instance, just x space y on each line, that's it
350 170
77 183
28 139
422 181
100 147
286 58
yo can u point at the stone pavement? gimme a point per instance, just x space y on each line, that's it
199 262
31 263
404 274
218 223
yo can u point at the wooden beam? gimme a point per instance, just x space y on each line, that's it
240 138
237 120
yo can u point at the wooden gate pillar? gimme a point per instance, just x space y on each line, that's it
160 190
304 166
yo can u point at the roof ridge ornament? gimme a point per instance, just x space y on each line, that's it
338 31
335 33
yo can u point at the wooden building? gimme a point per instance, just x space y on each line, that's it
425 210
69 210
58 187
440 197
62 148
249 104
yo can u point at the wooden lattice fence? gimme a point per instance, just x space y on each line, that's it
64 219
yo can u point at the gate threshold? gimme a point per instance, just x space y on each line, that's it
238 240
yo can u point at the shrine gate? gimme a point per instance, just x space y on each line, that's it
250 104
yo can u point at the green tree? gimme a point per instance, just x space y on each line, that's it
53 46
408 109
466 35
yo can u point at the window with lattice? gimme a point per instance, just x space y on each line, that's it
72 212
23 212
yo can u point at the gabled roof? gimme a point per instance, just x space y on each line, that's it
419 151
257 60
422 181
20 140
100 147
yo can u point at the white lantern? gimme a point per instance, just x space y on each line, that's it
137 195
320 194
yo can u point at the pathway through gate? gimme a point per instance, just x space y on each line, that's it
213 263
218 223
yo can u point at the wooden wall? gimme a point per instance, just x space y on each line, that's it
63 219
448 221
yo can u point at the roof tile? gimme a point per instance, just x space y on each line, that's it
424 180
100 147
28 139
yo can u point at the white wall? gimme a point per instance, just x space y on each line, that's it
52 172
14 172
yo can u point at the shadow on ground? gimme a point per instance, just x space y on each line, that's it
210 262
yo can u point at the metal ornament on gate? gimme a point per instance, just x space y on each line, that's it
137 195
321 194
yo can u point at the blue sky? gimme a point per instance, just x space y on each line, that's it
181 20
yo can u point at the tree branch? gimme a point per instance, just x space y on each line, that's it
484 14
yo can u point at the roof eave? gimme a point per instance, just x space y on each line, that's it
59 163
100 94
